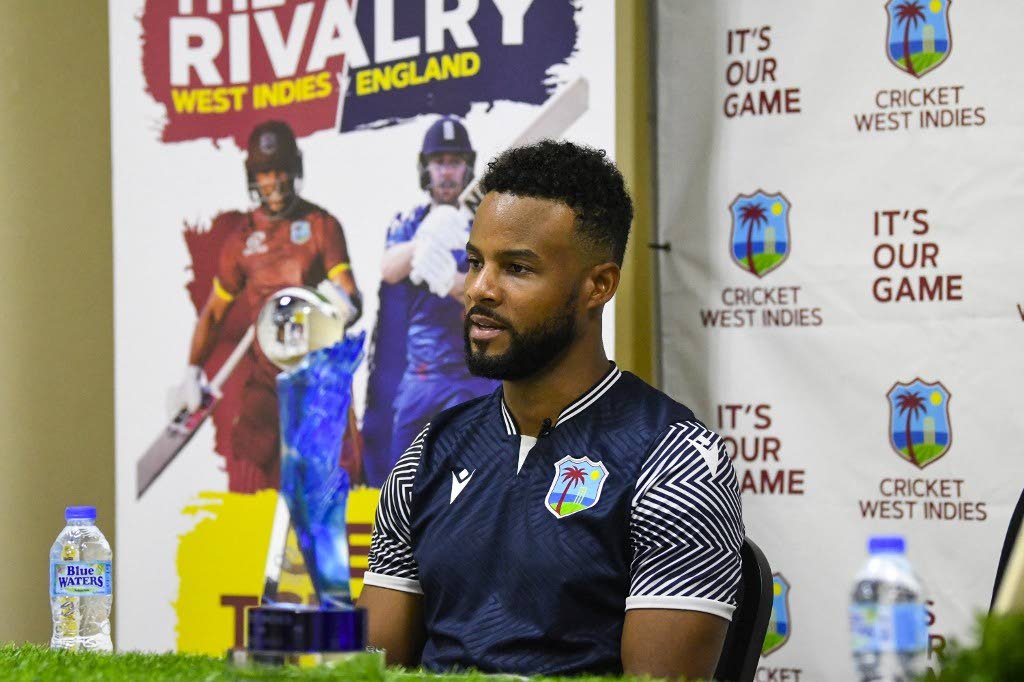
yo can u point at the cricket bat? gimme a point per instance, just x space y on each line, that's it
275 551
179 432
555 116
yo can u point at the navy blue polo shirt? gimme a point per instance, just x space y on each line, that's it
528 551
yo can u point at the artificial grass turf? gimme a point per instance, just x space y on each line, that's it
31 662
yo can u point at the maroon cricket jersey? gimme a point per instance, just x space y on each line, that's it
263 254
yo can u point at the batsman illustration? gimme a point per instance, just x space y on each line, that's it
417 366
285 241
416 363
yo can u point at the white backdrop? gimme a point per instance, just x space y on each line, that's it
362 176
802 110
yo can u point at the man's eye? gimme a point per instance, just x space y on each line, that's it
474 263
518 269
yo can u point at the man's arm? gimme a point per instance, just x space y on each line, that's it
397 262
227 284
686 529
208 326
229 281
391 590
342 276
669 643
395 623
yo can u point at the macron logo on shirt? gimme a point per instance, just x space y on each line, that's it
703 445
460 479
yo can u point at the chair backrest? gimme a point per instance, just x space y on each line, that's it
742 648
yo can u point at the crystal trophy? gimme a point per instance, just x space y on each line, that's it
300 331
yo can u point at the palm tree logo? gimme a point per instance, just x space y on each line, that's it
760 231
753 217
581 475
571 477
919 421
910 404
918 34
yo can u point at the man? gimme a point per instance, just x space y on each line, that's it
285 241
417 368
575 520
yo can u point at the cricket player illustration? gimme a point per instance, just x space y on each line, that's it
417 365
284 241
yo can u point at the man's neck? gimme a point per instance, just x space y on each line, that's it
546 394
287 212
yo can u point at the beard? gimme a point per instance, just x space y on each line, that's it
282 192
529 351
446 192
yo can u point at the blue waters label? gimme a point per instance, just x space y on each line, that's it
863 624
878 628
80 578
909 627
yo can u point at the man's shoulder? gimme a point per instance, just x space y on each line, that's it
461 417
314 213
231 228
461 428
232 221
648 407
403 225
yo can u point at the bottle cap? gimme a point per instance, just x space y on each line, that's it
886 544
80 513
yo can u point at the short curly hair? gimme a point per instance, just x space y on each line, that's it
579 176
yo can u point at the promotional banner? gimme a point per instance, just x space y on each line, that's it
840 296
262 144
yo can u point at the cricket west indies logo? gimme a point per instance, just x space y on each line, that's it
920 29
577 485
778 622
919 429
760 231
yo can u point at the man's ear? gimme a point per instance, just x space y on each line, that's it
604 282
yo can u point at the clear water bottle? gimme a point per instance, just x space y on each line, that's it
80 584
888 622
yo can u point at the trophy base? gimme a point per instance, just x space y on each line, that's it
366 663
291 634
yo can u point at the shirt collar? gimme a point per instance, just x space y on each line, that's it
572 409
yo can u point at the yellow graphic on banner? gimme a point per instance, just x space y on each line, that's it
221 563
407 73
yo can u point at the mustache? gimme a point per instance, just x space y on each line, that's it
484 312
275 191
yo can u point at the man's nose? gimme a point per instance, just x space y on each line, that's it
482 286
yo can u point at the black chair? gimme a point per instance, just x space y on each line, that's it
1012 531
742 648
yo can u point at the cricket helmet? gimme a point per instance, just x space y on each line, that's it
272 146
446 135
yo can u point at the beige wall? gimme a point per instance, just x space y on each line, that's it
56 368
634 310
56 364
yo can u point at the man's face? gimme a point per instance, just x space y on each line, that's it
447 176
523 303
275 188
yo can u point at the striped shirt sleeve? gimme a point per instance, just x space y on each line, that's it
391 561
686 525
